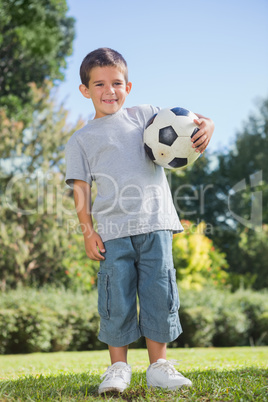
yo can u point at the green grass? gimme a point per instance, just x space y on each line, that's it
222 374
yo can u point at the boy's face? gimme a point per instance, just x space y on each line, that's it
107 89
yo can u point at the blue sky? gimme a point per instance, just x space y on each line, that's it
208 56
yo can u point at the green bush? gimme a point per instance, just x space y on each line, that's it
52 319
198 327
196 260
47 320
254 304
213 317
262 329
231 326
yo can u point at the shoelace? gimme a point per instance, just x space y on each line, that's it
113 372
168 366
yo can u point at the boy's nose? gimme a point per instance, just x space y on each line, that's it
109 90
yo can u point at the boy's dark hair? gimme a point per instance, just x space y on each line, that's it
102 57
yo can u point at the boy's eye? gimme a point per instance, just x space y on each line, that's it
118 83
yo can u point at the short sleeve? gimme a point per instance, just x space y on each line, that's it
77 166
147 111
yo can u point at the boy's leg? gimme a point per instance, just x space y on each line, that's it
157 288
156 350
117 294
118 354
161 372
118 376
159 303
117 304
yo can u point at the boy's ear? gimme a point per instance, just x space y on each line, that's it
84 91
128 87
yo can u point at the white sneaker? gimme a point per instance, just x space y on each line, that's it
116 378
164 375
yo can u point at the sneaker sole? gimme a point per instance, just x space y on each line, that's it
111 389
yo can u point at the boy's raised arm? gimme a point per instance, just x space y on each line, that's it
82 199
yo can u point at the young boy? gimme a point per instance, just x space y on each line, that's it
136 220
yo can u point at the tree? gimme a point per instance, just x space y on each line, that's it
36 37
229 191
35 207
253 248
248 160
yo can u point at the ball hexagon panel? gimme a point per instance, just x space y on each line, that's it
183 126
193 156
163 153
182 147
151 136
164 118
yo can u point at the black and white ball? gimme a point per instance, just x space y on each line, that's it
167 138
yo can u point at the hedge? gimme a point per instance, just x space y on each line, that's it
52 319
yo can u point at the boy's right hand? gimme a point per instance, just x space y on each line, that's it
93 246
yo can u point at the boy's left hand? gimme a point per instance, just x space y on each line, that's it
203 136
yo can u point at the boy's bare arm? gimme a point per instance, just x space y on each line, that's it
82 199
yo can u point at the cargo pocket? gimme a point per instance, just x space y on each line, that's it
173 291
103 295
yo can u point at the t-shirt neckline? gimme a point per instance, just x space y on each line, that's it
105 118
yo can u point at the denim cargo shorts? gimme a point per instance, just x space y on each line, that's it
142 266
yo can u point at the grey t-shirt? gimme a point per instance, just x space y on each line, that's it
133 195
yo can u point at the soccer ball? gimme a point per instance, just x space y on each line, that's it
167 138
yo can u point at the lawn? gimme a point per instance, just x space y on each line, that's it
218 374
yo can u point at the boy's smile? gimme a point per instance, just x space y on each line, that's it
107 89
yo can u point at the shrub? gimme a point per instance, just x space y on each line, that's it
47 320
255 306
53 319
231 326
80 272
197 262
262 329
220 318
198 327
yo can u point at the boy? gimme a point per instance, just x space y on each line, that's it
136 219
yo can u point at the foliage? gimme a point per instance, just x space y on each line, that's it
213 317
196 260
54 319
35 208
198 327
253 247
38 230
246 165
36 37
228 191
248 156
204 190
48 320
81 272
